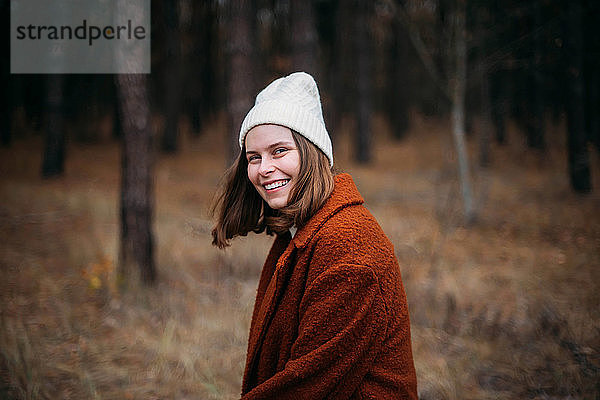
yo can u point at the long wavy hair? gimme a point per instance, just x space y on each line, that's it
239 209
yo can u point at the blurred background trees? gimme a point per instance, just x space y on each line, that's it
484 64
525 61
521 57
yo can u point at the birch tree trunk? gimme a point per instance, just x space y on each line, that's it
458 85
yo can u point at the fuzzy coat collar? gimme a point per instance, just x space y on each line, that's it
344 194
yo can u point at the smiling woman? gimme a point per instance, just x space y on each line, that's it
330 319
273 163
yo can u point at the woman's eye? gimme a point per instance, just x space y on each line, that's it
253 158
280 150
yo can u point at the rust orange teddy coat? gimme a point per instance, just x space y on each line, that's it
330 319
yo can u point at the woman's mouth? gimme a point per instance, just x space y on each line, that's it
276 185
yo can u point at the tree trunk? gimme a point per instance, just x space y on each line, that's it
458 108
54 143
500 95
482 19
240 74
593 101
137 247
172 81
6 108
304 38
6 101
592 70
578 155
341 73
201 79
5 122
398 102
362 149
535 136
136 252
486 118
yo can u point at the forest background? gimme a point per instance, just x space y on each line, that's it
470 127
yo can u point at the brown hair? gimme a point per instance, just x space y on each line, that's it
240 209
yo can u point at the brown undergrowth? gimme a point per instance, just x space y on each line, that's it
503 309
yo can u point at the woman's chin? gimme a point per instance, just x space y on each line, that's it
277 202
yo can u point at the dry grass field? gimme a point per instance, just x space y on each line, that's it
504 309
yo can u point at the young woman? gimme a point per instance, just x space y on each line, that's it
330 319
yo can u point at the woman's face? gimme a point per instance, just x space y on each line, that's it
273 163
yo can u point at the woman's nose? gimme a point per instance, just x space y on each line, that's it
266 166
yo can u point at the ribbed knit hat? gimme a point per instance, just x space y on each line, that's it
292 101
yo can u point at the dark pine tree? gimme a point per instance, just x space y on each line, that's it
304 40
173 78
535 134
7 87
341 74
137 244
592 69
240 69
362 146
200 82
480 23
136 252
398 101
578 154
54 134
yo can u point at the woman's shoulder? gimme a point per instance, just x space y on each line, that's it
353 221
352 240
353 234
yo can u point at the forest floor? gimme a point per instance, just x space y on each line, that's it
504 309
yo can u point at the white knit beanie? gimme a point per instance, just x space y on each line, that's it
292 101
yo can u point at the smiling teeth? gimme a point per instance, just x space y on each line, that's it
275 185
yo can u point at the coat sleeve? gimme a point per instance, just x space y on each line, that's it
343 320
